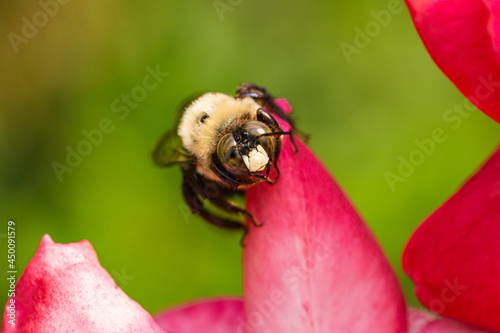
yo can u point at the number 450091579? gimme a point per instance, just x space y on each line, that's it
11 238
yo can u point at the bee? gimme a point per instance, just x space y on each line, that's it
224 145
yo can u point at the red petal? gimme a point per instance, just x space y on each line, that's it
207 316
453 257
462 36
314 266
64 289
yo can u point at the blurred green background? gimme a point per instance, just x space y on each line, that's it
363 111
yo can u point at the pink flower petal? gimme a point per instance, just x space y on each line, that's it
314 266
463 38
451 326
207 316
64 289
424 322
284 105
418 320
454 256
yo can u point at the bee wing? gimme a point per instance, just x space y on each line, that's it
169 150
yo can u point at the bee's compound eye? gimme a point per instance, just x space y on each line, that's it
229 156
257 129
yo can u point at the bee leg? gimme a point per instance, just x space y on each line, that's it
268 119
197 207
233 208
269 180
275 165
254 91
223 174
243 237
205 190
261 96
292 140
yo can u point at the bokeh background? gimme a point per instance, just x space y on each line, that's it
363 112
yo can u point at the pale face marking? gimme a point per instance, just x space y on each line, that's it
256 160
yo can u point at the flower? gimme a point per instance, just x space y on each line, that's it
314 267
454 256
423 322
463 39
64 289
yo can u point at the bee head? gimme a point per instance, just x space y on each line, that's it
248 149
